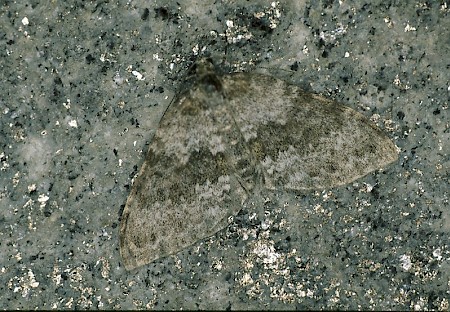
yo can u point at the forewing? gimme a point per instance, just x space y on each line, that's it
301 140
193 179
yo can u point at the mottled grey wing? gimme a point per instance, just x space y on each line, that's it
195 176
301 140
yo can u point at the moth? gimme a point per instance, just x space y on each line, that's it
226 137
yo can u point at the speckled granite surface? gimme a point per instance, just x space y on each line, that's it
76 117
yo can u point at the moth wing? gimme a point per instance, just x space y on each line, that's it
301 140
193 179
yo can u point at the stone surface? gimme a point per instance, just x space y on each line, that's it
84 84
